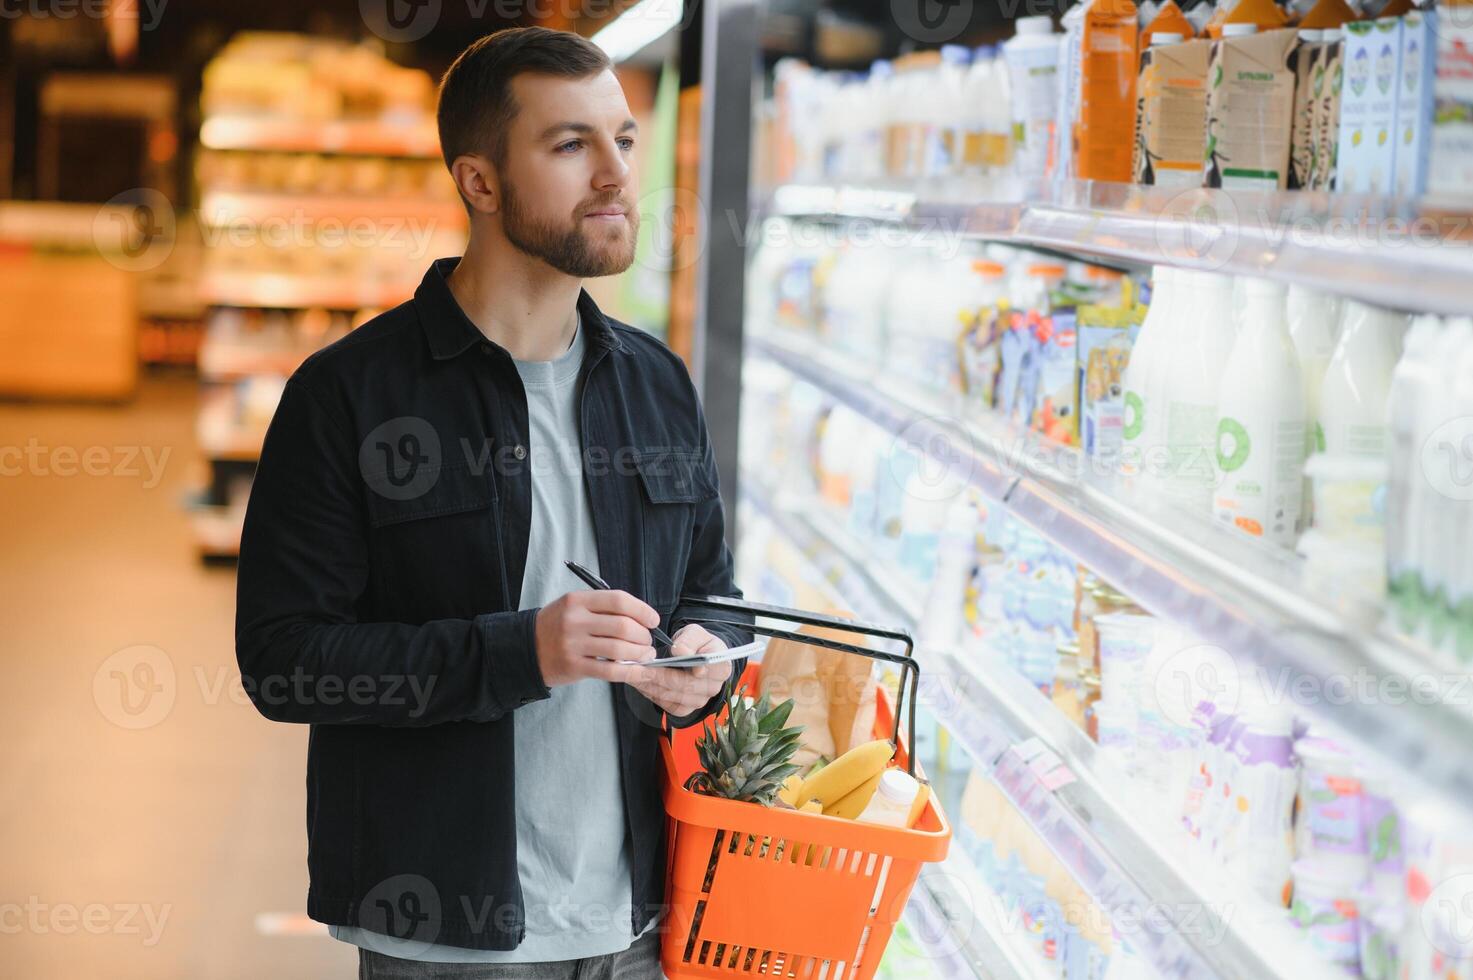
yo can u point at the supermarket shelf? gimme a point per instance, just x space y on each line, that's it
290 291
222 208
370 137
1402 254
1248 600
1115 852
991 951
941 925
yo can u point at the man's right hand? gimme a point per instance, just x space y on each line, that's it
574 631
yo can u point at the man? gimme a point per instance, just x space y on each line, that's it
483 795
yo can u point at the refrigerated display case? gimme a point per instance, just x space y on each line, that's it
1349 854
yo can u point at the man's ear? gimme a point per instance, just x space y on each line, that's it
475 177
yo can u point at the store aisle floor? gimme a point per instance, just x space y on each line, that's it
148 814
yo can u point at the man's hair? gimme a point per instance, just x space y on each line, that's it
476 106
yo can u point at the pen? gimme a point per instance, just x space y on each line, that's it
594 582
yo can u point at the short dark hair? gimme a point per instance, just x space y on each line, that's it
476 106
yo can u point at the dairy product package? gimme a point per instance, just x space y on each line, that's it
1104 336
1107 95
1451 170
1032 58
1416 78
1250 111
1056 411
1326 82
1307 54
1368 106
1171 123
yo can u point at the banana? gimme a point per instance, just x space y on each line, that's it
840 777
923 793
852 804
789 793
812 806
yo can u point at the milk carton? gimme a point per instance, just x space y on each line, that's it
1250 110
1326 78
1306 58
1452 127
1172 118
1415 81
1371 61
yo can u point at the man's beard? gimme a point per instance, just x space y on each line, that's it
569 249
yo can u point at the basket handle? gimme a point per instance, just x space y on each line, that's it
909 670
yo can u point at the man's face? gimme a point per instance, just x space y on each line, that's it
568 186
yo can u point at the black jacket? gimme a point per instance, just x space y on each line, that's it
380 571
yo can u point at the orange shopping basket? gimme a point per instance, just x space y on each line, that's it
754 890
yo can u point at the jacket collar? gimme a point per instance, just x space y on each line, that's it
451 333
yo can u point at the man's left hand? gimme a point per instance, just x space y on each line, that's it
678 691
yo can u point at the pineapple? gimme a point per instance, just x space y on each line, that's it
747 757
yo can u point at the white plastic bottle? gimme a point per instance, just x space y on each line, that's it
1313 316
1411 389
1460 527
1435 517
1357 381
890 806
1197 349
1032 57
1143 432
945 131
1260 424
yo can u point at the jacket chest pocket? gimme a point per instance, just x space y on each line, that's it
675 485
432 541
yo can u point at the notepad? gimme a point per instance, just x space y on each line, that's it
699 659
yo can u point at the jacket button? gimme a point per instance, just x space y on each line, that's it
520 452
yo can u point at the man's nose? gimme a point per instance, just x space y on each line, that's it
613 170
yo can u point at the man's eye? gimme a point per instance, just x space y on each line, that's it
627 143
569 146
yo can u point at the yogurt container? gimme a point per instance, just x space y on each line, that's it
1125 642
1382 823
1331 828
1325 906
1349 495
